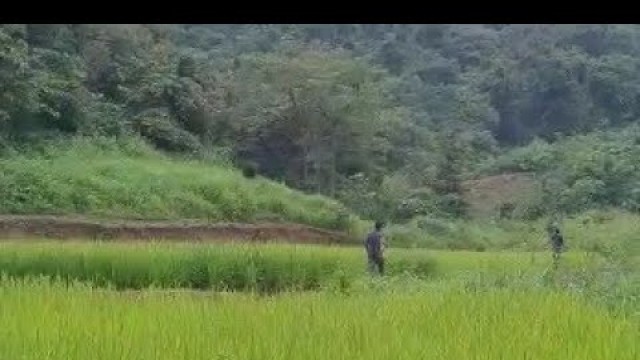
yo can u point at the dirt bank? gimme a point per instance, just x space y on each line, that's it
56 227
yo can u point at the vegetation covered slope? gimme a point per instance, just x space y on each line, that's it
130 180
596 170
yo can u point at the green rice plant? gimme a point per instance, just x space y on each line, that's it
42 320
262 268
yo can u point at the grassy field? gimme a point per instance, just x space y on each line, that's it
51 321
265 268
589 231
59 302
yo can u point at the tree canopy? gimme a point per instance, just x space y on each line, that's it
394 115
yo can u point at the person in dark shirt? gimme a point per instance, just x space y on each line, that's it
374 244
557 243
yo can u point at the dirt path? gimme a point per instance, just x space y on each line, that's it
56 227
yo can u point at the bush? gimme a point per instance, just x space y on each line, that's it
158 127
582 172
434 226
249 171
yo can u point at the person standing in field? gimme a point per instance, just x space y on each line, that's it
557 243
374 244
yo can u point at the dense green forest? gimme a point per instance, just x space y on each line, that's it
388 119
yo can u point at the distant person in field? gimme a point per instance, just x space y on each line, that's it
374 244
556 241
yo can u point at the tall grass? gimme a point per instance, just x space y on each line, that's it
590 231
105 178
262 268
49 321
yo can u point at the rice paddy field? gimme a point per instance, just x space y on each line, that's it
83 300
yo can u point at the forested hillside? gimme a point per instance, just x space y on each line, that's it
388 119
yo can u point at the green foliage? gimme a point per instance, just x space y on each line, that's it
159 129
315 105
105 325
587 232
264 269
582 172
17 96
320 114
127 179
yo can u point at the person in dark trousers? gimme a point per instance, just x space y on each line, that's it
557 243
374 244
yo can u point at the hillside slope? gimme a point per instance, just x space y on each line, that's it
107 180
487 196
